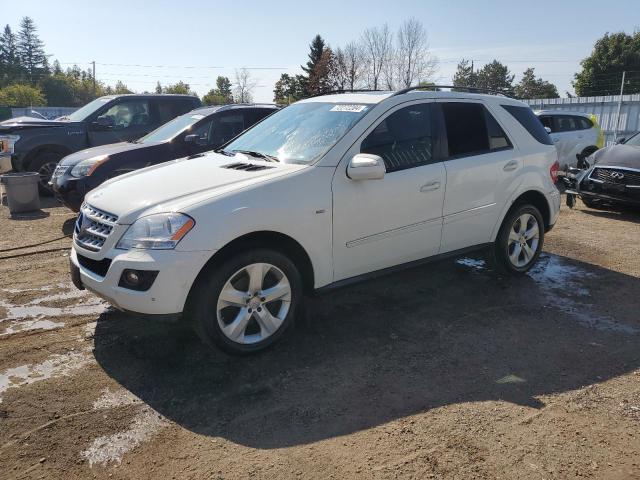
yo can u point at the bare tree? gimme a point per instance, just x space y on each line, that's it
354 63
412 61
243 91
376 44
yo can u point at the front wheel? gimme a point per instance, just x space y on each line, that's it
45 163
247 303
520 240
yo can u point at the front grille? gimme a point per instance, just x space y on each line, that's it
60 170
93 227
618 176
99 267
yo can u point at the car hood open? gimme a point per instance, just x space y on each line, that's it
627 156
174 185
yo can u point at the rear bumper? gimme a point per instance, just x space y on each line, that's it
168 294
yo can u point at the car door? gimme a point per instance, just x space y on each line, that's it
398 219
125 120
480 167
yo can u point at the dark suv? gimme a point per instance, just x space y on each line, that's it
38 145
200 130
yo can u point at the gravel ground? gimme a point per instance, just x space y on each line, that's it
444 371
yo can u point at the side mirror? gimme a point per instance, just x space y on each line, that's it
365 166
620 140
103 123
547 129
191 138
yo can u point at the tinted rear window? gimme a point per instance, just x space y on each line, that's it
526 118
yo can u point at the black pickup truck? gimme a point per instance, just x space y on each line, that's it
37 145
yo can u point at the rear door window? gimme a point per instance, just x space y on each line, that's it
466 128
565 123
583 123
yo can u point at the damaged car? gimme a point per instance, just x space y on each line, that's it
610 176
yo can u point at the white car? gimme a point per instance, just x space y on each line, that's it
327 191
573 133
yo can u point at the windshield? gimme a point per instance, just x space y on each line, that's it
83 112
635 140
171 129
301 133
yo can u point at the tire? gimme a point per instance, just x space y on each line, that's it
45 163
259 322
509 251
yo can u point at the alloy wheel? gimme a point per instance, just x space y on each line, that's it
253 303
46 172
524 238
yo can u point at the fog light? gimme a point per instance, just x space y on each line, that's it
140 280
131 277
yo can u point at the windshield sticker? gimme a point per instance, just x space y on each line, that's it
348 108
197 117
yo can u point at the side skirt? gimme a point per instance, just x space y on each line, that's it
398 268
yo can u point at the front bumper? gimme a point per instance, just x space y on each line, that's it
70 191
168 294
609 192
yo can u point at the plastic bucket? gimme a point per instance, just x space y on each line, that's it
22 191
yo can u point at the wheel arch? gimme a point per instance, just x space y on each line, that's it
55 148
535 198
277 241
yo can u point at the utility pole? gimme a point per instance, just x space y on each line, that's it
94 77
615 133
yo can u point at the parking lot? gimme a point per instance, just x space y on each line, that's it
443 371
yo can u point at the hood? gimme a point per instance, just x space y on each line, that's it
175 185
103 150
21 123
622 155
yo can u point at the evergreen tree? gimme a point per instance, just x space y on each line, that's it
532 87
496 76
10 68
465 75
31 51
316 48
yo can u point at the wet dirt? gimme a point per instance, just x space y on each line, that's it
447 371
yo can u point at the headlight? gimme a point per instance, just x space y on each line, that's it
162 231
86 167
8 143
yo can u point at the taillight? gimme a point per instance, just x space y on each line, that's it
553 171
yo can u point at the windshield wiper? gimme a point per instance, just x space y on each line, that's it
264 156
222 151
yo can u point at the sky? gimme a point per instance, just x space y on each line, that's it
141 43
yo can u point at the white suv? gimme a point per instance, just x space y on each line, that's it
573 133
325 192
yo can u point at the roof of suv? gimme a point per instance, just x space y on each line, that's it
210 109
561 112
149 95
378 97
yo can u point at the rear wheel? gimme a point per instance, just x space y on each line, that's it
45 163
247 304
520 240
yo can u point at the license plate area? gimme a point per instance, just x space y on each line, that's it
613 187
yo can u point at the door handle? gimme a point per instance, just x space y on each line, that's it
428 187
510 166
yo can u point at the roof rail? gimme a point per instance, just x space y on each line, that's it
468 89
346 90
